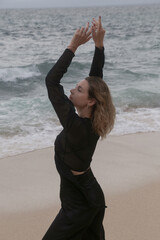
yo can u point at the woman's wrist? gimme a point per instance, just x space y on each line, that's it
99 45
72 48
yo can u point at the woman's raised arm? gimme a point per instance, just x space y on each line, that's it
98 33
98 59
62 105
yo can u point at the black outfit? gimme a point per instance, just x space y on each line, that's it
82 199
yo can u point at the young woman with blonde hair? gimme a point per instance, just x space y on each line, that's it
82 199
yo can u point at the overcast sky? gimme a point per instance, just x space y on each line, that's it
68 3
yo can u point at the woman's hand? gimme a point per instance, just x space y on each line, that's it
80 37
98 33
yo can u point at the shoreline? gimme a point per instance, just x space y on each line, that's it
127 168
110 136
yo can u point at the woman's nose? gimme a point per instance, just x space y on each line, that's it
72 90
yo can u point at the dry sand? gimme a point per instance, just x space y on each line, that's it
128 169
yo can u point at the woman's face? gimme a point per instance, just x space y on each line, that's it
79 94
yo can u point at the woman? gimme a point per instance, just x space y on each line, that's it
82 199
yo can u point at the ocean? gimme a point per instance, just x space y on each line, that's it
31 40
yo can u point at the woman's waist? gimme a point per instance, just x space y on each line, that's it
82 178
85 178
76 173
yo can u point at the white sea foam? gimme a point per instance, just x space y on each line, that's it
12 74
137 120
20 144
41 134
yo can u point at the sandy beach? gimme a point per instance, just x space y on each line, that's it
128 169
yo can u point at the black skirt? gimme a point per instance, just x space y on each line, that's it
82 211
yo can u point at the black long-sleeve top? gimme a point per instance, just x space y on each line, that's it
75 145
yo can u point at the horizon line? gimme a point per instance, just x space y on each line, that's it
87 6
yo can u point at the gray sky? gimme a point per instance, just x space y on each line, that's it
68 3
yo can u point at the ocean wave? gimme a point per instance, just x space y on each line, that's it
21 81
14 73
76 71
156 46
136 98
140 74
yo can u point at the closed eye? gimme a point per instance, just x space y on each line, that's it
79 88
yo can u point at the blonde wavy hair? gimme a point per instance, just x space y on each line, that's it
103 112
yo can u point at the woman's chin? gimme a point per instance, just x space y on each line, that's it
70 98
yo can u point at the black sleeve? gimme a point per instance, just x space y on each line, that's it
97 63
62 105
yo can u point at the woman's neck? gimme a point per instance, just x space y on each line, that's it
84 113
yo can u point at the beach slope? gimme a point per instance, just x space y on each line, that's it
128 169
